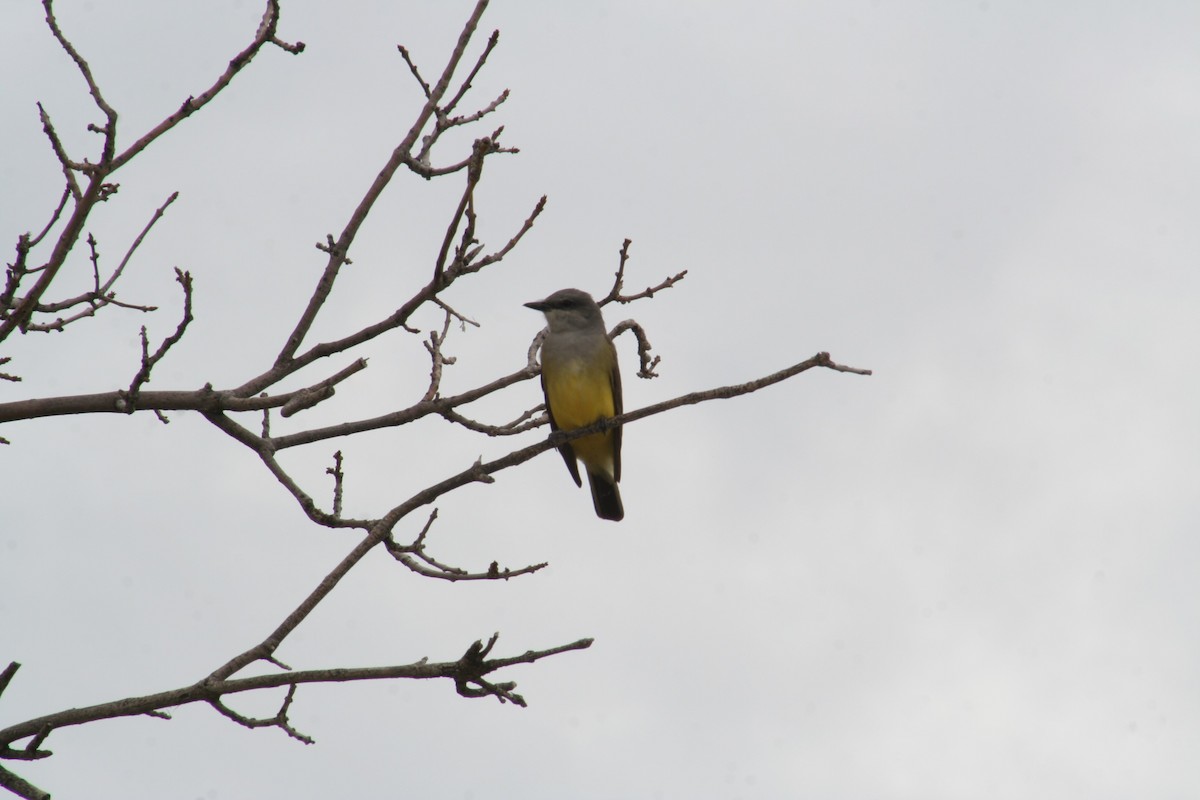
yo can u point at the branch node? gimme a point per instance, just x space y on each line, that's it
331 247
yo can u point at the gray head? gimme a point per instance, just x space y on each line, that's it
569 309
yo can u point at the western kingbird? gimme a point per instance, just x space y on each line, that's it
582 384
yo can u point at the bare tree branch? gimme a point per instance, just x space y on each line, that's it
438 359
18 317
481 472
338 478
21 787
84 69
7 676
203 400
98 189
342 245
614 294
469 669
148 360
265 35
493 40
100 295
419 561
521 424
416 73
280 720
54 218
69 167
647 365
158 214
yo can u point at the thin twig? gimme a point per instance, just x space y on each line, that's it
521 424
493 40
416 558
280 720
265 35
499 255
84 69
614 294
68 166
647 364
155 217
148 361
416 73
54 217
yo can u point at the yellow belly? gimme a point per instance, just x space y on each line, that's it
577 399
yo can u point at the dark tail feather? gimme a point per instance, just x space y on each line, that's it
606 498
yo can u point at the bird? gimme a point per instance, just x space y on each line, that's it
582 385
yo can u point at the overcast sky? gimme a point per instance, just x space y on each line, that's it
971 575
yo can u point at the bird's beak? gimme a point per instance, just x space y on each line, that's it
537 305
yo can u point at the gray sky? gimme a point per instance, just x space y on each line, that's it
970 575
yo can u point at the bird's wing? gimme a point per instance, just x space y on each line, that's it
565 449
